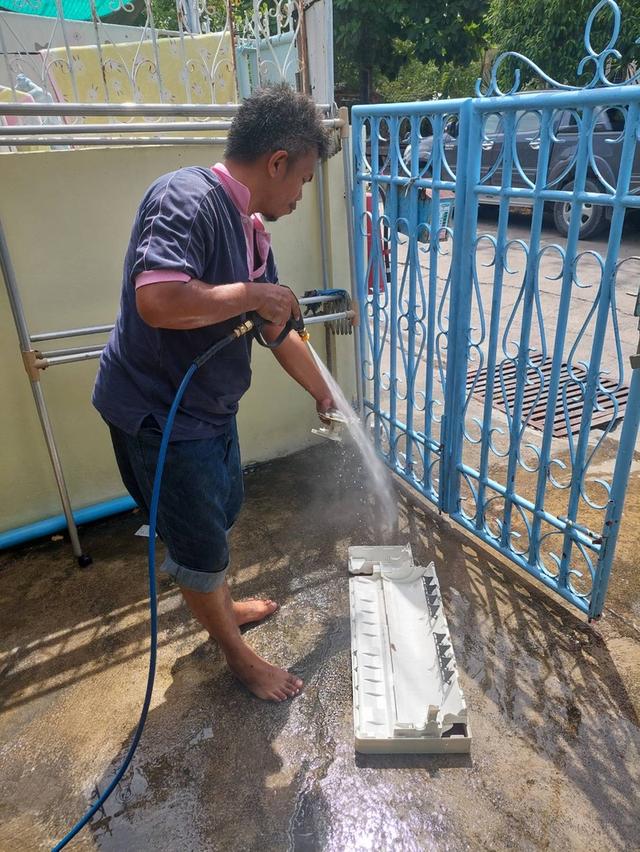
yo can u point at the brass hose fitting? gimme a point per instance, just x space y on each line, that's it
243 328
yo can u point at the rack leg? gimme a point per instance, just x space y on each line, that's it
84 560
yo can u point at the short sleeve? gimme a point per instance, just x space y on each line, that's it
177 228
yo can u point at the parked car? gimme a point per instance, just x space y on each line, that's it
607 148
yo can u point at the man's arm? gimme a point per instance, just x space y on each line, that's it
179 305
294 356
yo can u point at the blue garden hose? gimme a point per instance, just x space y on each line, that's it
253 324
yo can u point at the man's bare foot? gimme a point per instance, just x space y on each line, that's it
263 679
254 609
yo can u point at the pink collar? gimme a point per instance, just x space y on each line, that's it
253 226
237 192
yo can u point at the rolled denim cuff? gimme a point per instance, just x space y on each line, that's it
197 581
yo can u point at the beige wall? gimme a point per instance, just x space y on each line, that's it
67 216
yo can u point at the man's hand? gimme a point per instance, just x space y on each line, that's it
277 304
323 406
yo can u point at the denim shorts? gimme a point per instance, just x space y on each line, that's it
200 497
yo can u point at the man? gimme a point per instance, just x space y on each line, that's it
199 258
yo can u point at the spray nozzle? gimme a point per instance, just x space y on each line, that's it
299 326
333 422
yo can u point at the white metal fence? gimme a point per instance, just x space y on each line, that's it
122 53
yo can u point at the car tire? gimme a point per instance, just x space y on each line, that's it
593 215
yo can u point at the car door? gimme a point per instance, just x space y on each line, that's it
527 129
492 141
527 147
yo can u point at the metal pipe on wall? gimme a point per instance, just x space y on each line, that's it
130 109
107 141
324 254
36 136
77 354
124 127
324 243
72 358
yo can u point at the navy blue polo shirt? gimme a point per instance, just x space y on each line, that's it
189 226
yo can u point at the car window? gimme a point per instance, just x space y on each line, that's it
610 119
528 122
451 126
616 119
492 124
568 123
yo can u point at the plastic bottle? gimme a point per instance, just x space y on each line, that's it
25 84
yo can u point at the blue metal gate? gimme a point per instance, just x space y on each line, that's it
490 354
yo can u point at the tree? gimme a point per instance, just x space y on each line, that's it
550 33
166 16
426 81
367 35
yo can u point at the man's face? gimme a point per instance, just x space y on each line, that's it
287 177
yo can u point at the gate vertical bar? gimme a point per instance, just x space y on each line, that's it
432 296
530 285
359 214
392 288
582 161
374 274
467 175
494 326
624 459
413 260
350 218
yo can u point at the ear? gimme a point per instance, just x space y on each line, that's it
277 164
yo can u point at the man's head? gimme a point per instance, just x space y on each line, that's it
274 143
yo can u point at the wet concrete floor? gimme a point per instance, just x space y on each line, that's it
554 703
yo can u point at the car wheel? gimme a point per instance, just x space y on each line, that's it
592 216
